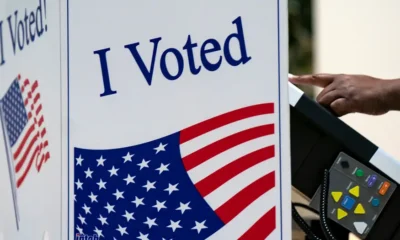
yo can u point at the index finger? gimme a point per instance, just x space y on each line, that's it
320 80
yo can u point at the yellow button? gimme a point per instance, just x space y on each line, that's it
359 209
336 196
355 191
341 214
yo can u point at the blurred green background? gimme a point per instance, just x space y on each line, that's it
301 39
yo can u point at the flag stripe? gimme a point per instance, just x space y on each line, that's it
224 131
222 145
240 201
26 152
232 169
248 217
213 164
225 192
29 165
24 140
224 119
38 109
43 158
262 228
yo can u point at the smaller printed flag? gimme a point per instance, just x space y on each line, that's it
214 180
24 127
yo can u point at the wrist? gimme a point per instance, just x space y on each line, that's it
391 94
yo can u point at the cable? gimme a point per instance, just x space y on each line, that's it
300 221
323 213
323 207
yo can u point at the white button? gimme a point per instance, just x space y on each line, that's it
46 235
360 227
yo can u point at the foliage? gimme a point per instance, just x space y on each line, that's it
300 38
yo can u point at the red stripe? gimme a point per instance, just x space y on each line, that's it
224 119
245 197
34 86
262 228
218 178
24 84
43 158
43 132
41 120
26 152
47 157
37 97
39 109
22 178
22 144
196 158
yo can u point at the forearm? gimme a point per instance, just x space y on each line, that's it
392 94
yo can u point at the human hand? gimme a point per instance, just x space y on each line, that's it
345 93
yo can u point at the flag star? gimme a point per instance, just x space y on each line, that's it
118 194
100 161
75 197
162 168
113 171
80 230
150 185
160 148
143 164
103 220
79 160
93 197
171 188
122 230
129 179
101 184
199 226
174 225
159 205
88 173
98 232
86 208
128 216
138 201
128 157
143 236
150 222
183 207
82 219
79 184
110 208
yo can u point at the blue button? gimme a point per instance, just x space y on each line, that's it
348 202
375 202
372 180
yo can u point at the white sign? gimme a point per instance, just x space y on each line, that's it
30 120
178 120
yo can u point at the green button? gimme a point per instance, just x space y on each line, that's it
359 173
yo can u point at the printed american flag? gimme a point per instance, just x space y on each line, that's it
214 180
25 128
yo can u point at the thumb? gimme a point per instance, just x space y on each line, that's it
341 107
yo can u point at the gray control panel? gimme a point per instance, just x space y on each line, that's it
357 195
